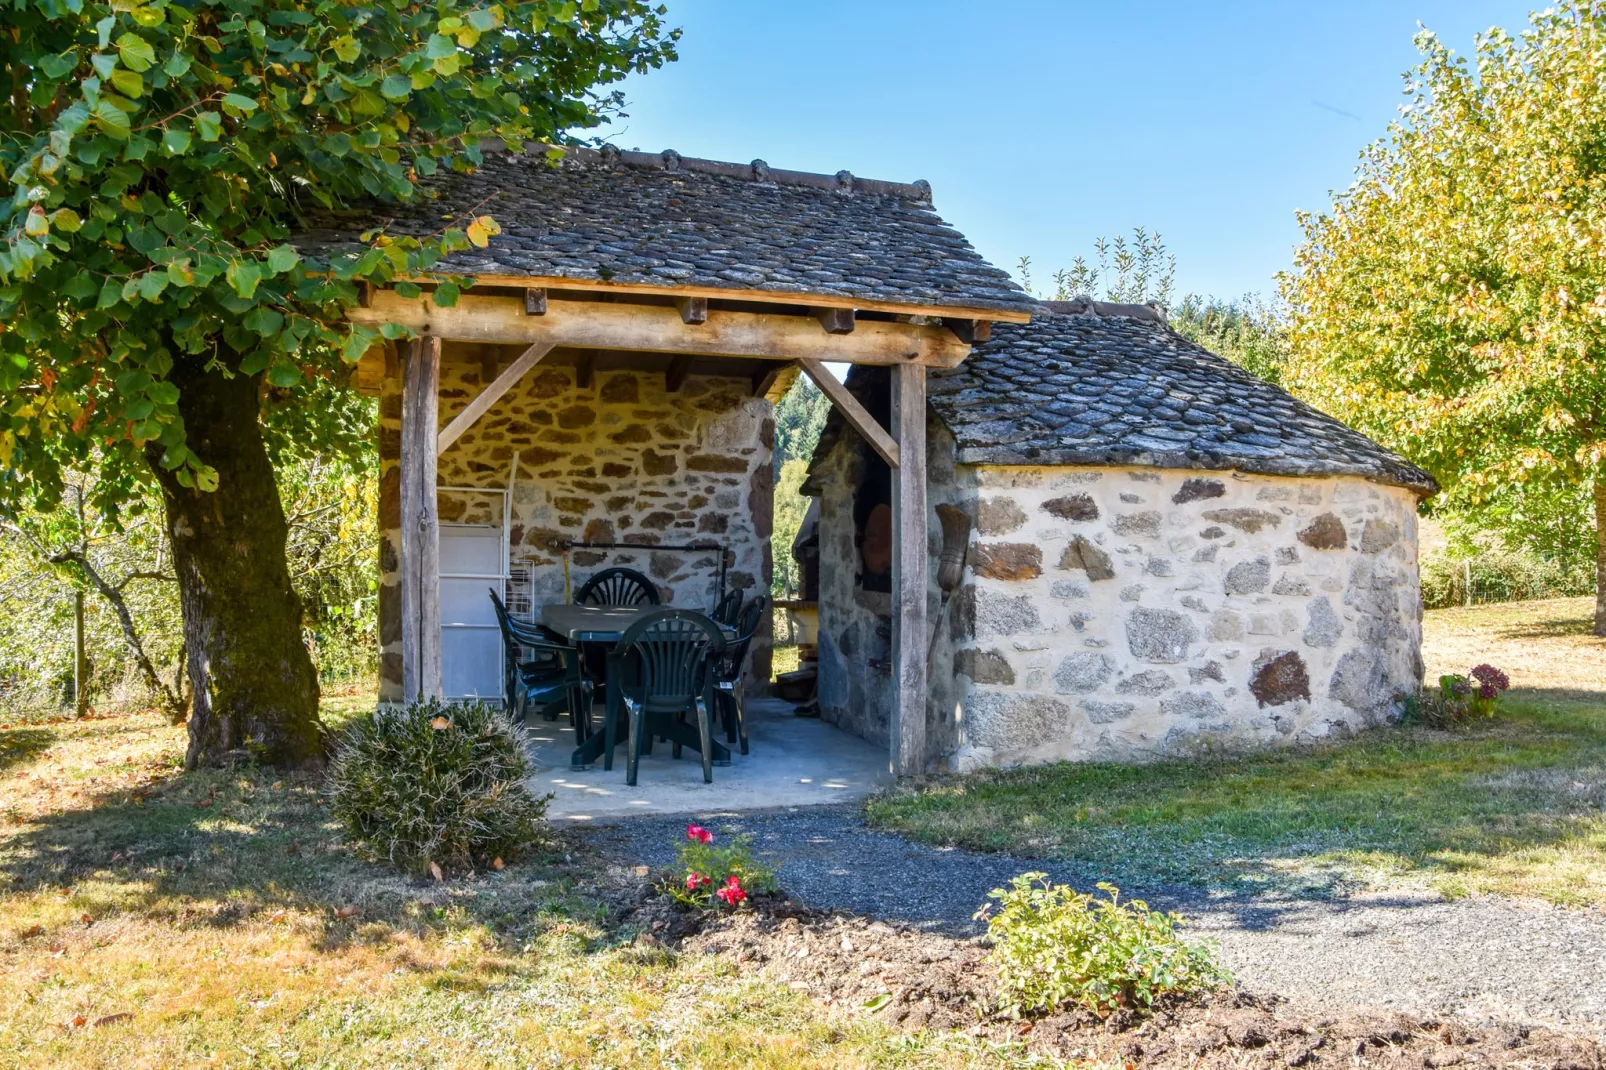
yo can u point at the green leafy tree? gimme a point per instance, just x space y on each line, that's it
156 323
1452 303
1249 332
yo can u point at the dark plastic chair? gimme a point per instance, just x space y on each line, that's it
729 609
728 673
552 680
664 666
617 587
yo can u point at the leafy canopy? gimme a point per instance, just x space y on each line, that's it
159 155
1453 302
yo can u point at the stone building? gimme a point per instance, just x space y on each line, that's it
1165 554
1158 550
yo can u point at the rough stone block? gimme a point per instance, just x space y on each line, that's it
984 666
1278 677
1160 635
1290 584
1325 532
1007 560
998 516
1014 720
1199 705
1358 680
1067 589
998 614
1250 521
1145 524
1193 490
1249 577
1324 628
1077 507
1148 682
1210 670
1107 712
1378 535
1226 627
1081 673
713 462
1082 554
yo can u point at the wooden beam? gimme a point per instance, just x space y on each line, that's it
835 320
420 523
656 328
693 309
856 415
764 381
907 728
675 374
535 302
585 364
734 293
490 395
970 332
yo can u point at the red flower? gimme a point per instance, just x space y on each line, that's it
698 833
732 893
695 880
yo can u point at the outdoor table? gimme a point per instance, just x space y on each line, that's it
607 624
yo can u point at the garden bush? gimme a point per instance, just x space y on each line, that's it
1498 574
434 783
1054 946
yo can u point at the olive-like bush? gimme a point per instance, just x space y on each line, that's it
435 783
1054 946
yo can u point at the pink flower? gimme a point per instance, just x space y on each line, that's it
698 833
732 893
695 880
1493 680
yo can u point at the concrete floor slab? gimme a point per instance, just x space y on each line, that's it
793 761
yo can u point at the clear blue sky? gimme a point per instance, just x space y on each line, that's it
1042 125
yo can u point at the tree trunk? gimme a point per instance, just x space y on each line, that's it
1600 552
252 682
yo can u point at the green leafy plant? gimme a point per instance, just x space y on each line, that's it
435 786
705 874
1461 698
1054 946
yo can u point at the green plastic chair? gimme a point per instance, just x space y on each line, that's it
553 680
664 665
730 703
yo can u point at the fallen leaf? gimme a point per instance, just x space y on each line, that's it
203 804
875 1003
497 863
277 917
434 867
58 950
113 1019
293 849
642 871
440 724
30 931
278 784
87 919
78 1022
346 912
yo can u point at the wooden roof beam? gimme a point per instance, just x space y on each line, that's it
693 310
660 329
835 320
675 374
856 415
970 332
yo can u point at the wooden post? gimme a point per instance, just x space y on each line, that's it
909 581
80 664
420 525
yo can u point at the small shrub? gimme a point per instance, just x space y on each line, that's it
434 783
1460 698
1053 946
705 874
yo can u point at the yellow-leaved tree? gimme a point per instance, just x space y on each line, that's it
1452 303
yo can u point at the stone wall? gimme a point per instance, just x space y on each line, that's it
1136 612
621 460
1132 613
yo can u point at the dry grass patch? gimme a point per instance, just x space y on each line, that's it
154 918
1510 806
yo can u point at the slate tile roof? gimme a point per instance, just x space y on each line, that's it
1093 384
664 220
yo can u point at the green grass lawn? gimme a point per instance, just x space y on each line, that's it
153 918
1511 806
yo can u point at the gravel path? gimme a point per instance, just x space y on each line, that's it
1481 959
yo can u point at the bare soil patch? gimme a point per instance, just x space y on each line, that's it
916 979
